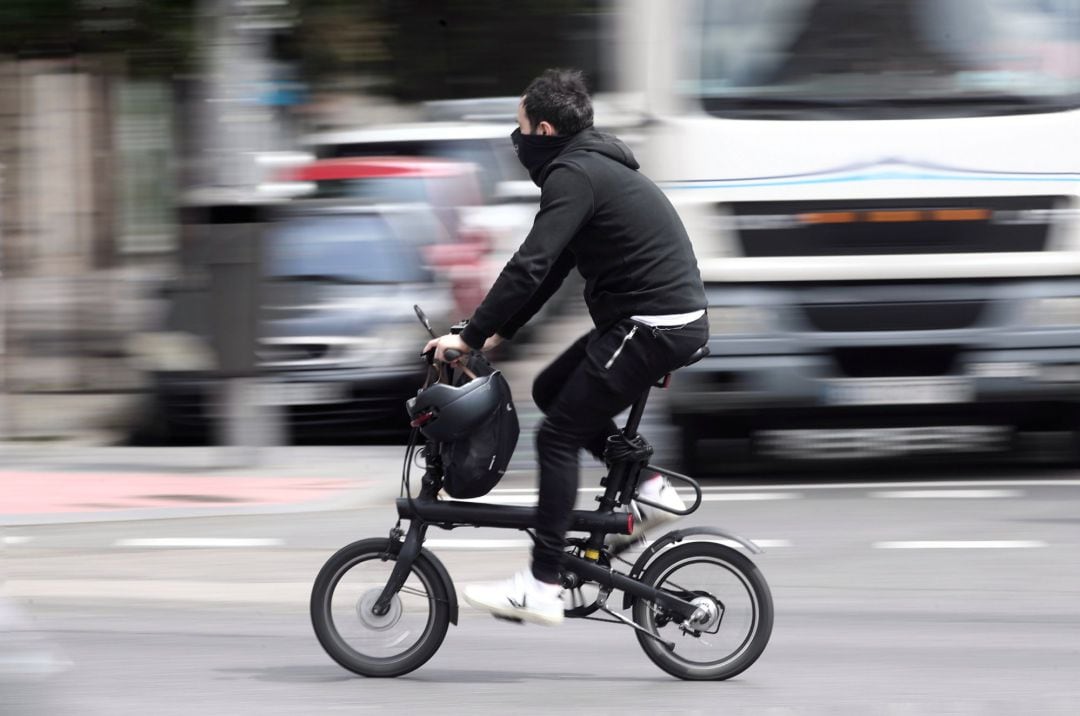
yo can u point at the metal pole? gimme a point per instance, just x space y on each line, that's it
236 127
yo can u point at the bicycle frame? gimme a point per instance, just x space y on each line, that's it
627 455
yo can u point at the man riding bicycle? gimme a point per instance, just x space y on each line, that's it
644 294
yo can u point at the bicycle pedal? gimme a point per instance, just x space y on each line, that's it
513 620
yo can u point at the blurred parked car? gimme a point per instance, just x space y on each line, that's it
509 198
338 346
449 188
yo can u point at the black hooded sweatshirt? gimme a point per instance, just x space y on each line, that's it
599 214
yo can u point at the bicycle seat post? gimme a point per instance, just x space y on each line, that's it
636 411
617 482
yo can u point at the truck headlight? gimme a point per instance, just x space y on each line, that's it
728 320
1046 312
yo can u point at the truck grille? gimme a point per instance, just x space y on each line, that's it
895 361
901 316
293 352
894 226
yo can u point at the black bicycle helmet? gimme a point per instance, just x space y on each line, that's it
446 413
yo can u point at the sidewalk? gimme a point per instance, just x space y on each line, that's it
51 484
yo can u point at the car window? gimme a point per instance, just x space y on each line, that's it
374 190
344 249
497 163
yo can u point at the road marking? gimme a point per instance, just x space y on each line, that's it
517 543
936 484
15 539
197 542
963 544
909 483
762 543
530 498
505 499
946 494
749 496
451 543
161 590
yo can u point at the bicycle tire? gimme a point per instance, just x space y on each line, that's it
334 644
752 580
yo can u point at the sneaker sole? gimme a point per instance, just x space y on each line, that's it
515 613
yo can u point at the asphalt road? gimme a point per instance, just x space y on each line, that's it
947 597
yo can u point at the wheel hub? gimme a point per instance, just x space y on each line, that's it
706 615
377 622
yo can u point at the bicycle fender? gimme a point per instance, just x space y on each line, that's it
674 537
451 593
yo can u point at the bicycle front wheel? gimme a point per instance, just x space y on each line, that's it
735 612
370 644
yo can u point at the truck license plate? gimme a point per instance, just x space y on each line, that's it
899 391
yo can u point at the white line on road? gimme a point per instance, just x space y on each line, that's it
15 539
963 544
184 542
451 543
909 483
762 543
530 498
161 589
936 484
749 496
516 543
946 494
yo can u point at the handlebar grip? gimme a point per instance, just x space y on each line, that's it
450 355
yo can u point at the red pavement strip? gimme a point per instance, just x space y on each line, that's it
57 492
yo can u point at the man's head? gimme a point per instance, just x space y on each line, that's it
556 102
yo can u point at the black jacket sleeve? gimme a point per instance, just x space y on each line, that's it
554 279
566 204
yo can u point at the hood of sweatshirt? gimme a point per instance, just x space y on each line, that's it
590 140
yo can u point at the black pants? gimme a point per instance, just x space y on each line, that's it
580 393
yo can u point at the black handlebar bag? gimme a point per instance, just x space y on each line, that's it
473 465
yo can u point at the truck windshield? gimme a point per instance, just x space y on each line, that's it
884 58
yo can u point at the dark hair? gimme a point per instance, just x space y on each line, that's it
561 98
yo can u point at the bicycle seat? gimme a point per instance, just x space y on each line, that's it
694 358
698 355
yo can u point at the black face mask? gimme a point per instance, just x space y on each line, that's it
535 151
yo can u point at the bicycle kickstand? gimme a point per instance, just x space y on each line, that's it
601 602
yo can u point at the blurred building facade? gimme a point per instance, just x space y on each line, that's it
85 183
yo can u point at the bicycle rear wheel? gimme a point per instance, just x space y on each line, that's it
391 644
736 612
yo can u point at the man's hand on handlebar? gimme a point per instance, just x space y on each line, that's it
448 342
453 342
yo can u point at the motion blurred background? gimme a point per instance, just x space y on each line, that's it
216 216
145 143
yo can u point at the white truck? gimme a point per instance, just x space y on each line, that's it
883 197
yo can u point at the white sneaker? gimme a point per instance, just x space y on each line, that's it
520 597
650 518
